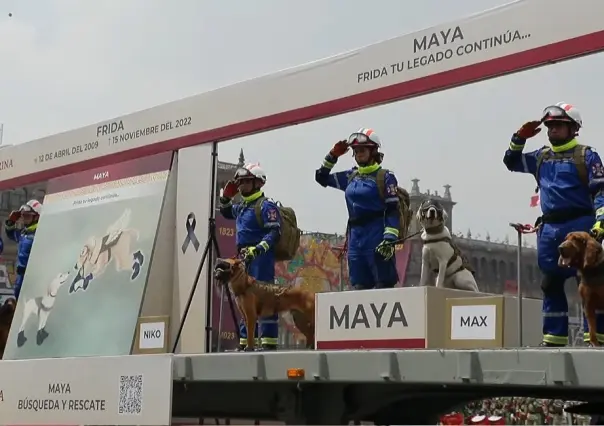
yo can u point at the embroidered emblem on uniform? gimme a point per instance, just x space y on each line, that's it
272 214
392 189
597 170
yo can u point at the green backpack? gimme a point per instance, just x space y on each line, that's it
405 212
289 242
577 156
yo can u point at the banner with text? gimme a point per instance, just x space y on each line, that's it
409 65
127 390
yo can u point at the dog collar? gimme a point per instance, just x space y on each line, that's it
435 229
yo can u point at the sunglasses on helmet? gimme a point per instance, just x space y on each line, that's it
243 173
554 112
358 138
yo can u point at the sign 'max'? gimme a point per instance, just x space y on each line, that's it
384 315
474 321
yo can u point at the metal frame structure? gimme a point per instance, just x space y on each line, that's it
384 387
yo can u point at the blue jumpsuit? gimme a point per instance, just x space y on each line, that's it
371 220
250 233
25 240
568 205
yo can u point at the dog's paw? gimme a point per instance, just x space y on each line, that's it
249 349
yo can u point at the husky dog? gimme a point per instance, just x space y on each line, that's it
439 254
41 307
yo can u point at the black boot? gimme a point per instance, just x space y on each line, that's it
21 339
86 282
41 336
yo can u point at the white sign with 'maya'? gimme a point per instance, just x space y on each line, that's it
397 313
473 322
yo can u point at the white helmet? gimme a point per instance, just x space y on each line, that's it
251 170
562 112
32 206
364 136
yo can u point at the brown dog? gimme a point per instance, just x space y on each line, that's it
579 250
7 311
258 299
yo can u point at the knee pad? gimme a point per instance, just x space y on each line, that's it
552 284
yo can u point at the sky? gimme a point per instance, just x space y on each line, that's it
70 63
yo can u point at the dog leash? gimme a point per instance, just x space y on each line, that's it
402 240
525 229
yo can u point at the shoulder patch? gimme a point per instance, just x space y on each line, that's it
271 213
597 170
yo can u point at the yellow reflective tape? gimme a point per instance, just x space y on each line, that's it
555 340
516 147
599 336
327 164
567 146
264 245
392 231
599 212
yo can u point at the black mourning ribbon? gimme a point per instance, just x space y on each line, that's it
190 224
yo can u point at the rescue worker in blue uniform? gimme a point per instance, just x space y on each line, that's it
254 240
29 214
571 180
373 220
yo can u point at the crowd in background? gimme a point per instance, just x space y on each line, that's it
516 411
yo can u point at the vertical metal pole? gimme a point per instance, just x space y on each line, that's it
220 307
212 248
1 133
341 272
519 287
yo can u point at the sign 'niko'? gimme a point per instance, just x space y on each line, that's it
152 334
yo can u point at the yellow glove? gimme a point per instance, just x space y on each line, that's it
250 253
386 249
597 231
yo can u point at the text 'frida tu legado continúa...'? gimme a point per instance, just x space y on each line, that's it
441 40
61 404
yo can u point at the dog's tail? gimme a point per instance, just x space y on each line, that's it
304 326
299 321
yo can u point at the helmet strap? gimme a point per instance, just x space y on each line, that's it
374 155
257 185
573 131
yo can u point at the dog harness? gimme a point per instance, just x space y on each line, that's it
266 293
456 252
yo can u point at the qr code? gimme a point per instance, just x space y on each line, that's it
131 394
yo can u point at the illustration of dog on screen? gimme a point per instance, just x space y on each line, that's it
114 246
